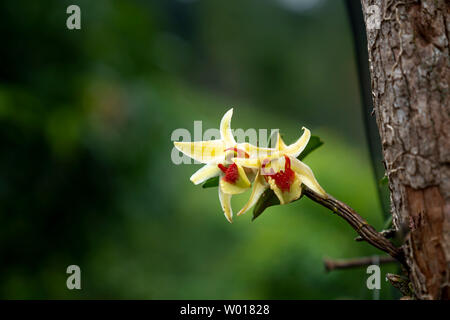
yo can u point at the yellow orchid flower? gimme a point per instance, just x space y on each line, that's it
281 171
217 155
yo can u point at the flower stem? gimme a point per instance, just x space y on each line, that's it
358 223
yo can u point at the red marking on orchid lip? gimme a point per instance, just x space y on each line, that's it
231 172
284 179
222 167
239 152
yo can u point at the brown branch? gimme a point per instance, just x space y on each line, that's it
365 230
331 264
389 234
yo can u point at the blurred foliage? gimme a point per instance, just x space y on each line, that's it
86 176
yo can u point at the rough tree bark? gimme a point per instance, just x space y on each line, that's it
409 65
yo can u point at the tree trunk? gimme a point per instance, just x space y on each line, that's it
409 64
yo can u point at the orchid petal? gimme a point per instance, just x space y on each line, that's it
225 129
259 186
204 173
307 176
254 151
280 145
203 151
253 163
297 147
225 202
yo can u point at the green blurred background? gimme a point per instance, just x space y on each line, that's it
86 177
